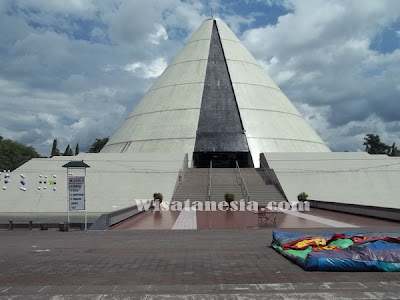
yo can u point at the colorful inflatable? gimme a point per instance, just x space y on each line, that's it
347 251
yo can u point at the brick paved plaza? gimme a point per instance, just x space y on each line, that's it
170 264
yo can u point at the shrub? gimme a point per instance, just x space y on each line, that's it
158 196
302 196
229 196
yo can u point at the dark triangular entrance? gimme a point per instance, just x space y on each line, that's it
220 136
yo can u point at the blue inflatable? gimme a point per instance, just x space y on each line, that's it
347 251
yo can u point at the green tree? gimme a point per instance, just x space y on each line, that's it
98 145
54 149
68 151
373 144
393 151
77 149
14 154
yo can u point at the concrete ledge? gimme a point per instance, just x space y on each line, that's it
371 211
112 218
25 225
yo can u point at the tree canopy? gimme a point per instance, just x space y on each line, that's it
54 149
373 145
14 154
98 145
68 151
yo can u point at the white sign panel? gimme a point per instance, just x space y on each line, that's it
76 193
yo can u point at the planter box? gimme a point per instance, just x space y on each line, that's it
63 226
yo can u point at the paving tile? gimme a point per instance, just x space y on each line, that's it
25 297
382 285
203 288
259 297
385 295
74 297
214 297
174 289
168 297
240 287
124 297
276 286
345 285
350 295
310 286
305 296
131 288
92 289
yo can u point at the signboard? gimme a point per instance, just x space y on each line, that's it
76 193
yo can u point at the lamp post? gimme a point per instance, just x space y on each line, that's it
76 200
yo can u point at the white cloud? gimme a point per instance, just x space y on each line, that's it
152 70
36 116
76 7
320 54
159 34
63 60
62 63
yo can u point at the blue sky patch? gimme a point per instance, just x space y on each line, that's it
388 40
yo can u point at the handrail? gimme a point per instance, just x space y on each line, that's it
209 182
181 173
269 177
265 173
243 183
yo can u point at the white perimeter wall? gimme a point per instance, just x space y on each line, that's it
113 182
342 177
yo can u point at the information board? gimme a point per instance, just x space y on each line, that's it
76 193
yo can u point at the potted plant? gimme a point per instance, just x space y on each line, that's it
302 196
158 196
229 198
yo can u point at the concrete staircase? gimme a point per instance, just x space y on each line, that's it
195 186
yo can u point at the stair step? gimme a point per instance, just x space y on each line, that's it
195 183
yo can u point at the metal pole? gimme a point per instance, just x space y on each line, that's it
85 202
67 195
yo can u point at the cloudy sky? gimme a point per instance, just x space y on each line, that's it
74 69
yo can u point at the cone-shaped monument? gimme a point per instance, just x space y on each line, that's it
215 102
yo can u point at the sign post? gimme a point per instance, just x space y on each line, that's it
76 200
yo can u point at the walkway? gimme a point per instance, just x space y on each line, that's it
316 218
186 220
170 264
